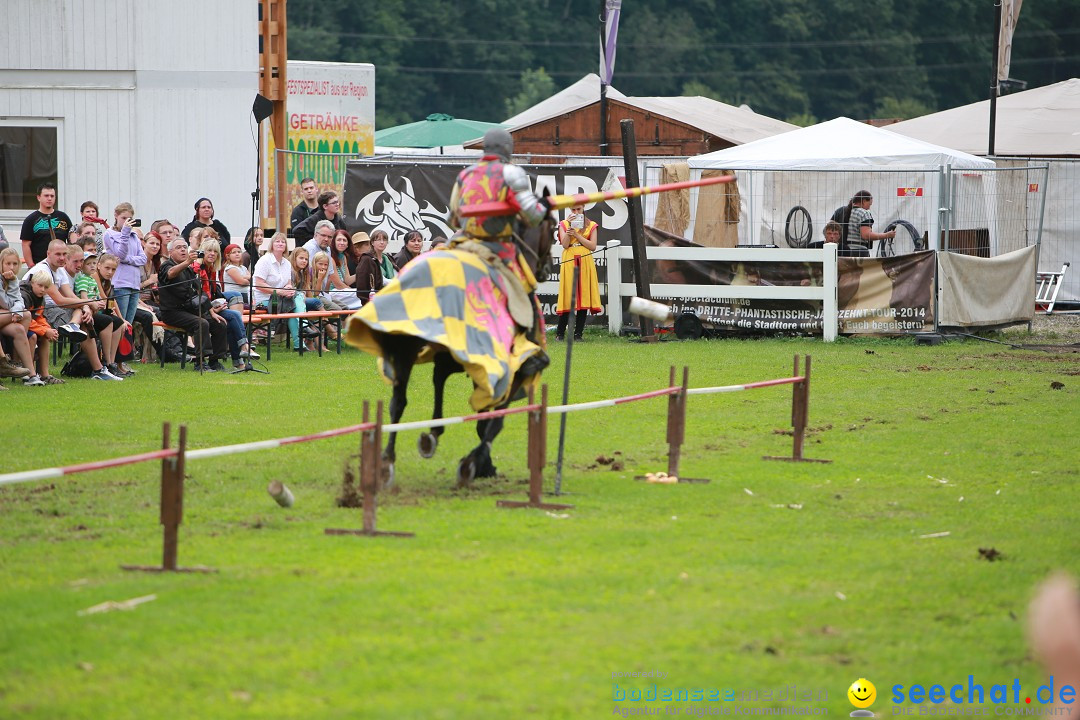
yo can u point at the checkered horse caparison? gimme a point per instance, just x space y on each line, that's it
456 301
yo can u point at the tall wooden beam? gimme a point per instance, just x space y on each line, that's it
273 62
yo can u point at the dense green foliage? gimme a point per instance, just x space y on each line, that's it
804 60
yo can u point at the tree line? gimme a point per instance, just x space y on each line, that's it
797 60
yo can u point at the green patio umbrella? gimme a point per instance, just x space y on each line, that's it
437 130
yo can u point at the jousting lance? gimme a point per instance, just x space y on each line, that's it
561 202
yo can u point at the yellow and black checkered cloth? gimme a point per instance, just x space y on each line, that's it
453 300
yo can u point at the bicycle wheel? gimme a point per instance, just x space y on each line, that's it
797 229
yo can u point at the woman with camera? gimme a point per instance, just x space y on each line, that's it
208 268
577 235
124 240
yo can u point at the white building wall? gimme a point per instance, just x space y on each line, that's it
152 100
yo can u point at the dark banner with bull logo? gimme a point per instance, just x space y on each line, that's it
398 197
891 295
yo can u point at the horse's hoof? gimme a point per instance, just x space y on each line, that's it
427 444
388 476
466 471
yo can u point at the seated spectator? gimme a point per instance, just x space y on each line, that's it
168 232
379 241
125 242
414 242
64 310
183 305
324 235
34 288
305 299
149 272
343 272
208 268
308 205
329 209
95 283
86 237
321 272
235 277
369 279
195 238
90 214
204 217
15 321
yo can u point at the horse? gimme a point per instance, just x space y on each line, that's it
401 349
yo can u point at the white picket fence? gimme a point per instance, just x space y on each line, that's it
617 289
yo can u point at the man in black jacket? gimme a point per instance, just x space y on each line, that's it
184 305
329 209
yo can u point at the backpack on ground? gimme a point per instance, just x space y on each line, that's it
78 366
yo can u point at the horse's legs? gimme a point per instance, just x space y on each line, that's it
478 462
400 352
445 366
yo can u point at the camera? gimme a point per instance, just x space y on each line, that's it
137 222
200 254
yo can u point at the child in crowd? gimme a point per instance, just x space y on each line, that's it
305 299
320 286
96 284
41 333
15 321
235 278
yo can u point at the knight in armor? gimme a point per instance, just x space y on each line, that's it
496 180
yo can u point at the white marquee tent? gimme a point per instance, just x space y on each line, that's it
805 167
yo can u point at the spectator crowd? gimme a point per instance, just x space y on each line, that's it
121 293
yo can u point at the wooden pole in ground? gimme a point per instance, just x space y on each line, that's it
537 458
172 502
370 478
800 403
676 425
171 513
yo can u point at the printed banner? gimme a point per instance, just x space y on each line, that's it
330 110
875 295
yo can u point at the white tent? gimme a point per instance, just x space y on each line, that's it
1042 122
1043 125
584 92
840 144
821 166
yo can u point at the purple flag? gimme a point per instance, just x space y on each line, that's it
607 40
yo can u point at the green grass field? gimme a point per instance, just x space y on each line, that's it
772 575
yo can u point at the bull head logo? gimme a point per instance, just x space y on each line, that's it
398 211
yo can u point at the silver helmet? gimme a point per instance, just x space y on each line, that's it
499 142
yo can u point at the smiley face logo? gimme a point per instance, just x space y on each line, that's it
862 693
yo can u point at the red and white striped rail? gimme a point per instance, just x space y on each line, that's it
203 453
747 386
55 472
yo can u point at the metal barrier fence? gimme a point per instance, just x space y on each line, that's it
986 211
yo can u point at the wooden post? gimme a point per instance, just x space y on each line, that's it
800 404
676 429
637 231
369 483
171 513
370 478
537 458
172 502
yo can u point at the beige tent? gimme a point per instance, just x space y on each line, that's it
1042 122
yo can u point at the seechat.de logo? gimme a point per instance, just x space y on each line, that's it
862 695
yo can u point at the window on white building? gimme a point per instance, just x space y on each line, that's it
28 157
